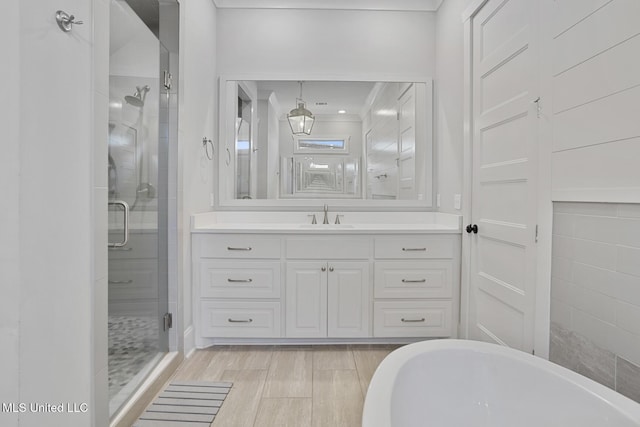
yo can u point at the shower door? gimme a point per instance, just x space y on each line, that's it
138 180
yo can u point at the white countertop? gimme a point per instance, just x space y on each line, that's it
351 222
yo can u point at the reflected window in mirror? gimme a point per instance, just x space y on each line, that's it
321 145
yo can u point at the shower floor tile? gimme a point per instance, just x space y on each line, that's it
133 343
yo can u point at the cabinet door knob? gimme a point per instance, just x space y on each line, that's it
330 268
323 269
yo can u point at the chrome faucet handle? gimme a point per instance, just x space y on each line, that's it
338 218
313 221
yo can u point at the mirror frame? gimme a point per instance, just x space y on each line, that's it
225 137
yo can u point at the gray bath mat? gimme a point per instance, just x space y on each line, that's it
185 403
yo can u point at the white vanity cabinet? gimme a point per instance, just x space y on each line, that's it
327 299
329 286
238 285
414 286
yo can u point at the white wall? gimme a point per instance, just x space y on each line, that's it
53 302
325 42
448 103
198 113
9 216
48 179
595 55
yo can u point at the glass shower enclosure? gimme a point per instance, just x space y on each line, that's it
140 97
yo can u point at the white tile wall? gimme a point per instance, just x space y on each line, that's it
595 286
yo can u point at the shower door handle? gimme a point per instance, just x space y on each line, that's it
125 238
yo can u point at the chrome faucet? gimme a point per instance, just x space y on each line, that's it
326 217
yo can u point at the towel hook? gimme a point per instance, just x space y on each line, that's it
205 143
66 21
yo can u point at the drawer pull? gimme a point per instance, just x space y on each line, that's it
413 320
239 321
413 281
229 248
414 249
118 249
120 282
239 280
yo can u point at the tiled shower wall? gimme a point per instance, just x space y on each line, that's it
595 293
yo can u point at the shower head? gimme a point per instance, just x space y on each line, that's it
137 100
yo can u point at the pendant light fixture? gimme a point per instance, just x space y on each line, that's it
300 119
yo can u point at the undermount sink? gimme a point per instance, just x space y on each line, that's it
326 226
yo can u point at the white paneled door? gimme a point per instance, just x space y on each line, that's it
504 117
348 299
407 144
306 299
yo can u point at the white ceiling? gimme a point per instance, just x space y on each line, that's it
349 96
398 5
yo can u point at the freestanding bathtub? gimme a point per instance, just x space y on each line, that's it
456 383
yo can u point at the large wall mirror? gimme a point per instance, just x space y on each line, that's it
370 145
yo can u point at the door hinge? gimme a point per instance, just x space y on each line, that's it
533 352
168 321
168 80
536 233
398 115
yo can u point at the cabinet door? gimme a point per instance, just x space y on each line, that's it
348 299
306 300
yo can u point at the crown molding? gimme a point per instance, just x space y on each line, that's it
386 5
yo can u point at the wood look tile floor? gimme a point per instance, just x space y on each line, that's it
296 386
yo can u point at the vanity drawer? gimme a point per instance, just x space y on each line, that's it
412 319
313 247
411 247
140 246
240 279
413 279
129 280
240 319
239 246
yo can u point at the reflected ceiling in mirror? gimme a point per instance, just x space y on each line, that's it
371 144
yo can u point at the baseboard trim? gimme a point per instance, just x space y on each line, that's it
147 391
210 342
